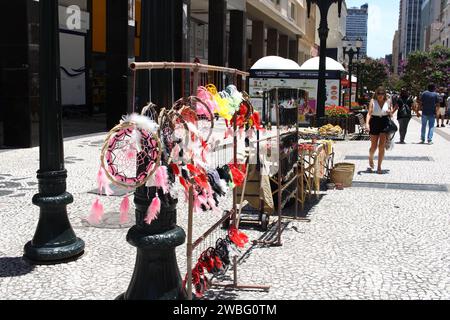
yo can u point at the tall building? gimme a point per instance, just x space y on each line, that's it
388 59
357 19
430 23
410 26
396 52
445 23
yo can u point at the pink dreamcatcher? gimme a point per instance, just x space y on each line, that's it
130 156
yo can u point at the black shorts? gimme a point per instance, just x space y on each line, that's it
378 125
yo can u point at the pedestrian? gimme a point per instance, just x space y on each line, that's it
448 108
380 110
403 104
442 112
429 105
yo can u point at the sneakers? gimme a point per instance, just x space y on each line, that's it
422 142
430 142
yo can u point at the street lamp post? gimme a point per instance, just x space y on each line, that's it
359 86
54 240
156 275
351 49
324 6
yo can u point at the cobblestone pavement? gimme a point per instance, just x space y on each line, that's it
388 242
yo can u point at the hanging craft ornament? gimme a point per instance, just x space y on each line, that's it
132 152
208 98
198 116
239 238
235 97
222 103
149 111
173 135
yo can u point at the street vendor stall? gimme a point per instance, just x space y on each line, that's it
271 72
287 163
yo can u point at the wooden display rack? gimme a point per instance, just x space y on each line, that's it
203 73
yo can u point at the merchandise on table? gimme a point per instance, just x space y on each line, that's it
330 130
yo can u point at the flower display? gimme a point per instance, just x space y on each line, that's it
337 111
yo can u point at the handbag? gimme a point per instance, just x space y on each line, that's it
404 111
390 130
391 127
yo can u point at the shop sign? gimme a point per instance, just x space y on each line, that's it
72 18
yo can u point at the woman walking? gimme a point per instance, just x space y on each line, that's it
380 109
404 105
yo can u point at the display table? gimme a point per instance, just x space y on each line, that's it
315 161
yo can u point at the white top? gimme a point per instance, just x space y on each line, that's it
380 111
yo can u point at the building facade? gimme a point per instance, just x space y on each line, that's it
445 23
95 55
410 26
430 23
357 25
396 52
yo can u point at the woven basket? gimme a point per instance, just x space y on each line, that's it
343 173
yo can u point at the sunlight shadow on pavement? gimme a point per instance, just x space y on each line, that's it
14 267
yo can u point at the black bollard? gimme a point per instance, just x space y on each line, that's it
156 274
54 240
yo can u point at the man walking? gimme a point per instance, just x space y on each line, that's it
429 104
442 112
403 104
448 108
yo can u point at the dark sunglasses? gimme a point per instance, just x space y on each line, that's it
381 93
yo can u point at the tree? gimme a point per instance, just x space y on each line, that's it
394 83
372 73
423 68
415 78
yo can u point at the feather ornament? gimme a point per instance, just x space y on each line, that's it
162 179
124 210
142 122
97 212
153 210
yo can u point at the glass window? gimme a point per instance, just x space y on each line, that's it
292 11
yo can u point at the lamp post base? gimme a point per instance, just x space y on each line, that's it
54 241
156 274
54 255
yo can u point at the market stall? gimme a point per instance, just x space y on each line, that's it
152 151
276 72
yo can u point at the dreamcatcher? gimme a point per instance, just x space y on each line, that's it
130 157
198 114
173 133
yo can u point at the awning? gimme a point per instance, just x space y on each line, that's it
313 64
275 63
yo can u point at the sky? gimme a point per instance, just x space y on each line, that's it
383 22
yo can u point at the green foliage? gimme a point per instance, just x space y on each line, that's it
424 68
394 83
372 73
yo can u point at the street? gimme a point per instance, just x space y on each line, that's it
387 237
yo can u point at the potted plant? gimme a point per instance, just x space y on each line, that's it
341 116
